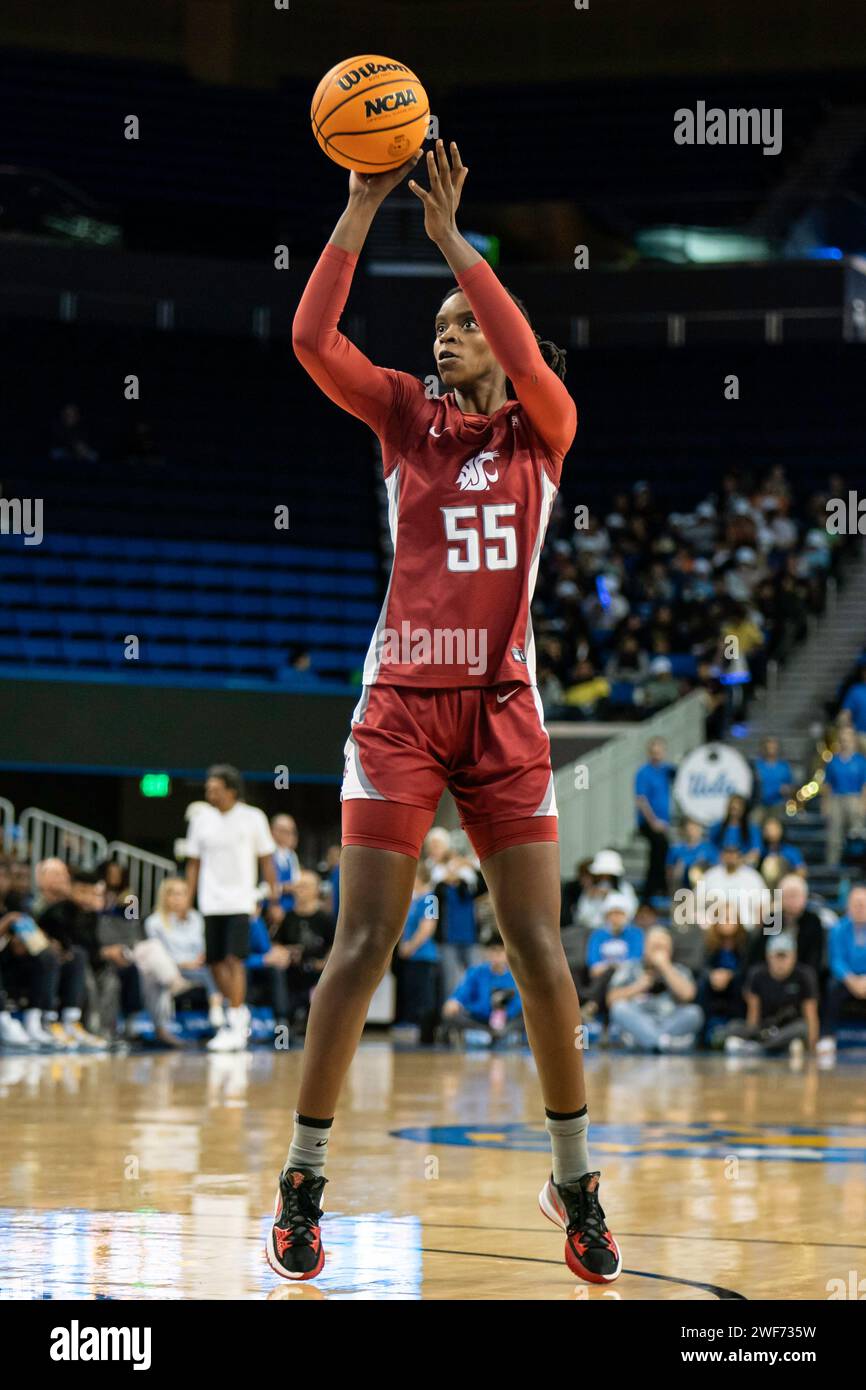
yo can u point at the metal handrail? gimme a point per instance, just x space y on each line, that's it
146 872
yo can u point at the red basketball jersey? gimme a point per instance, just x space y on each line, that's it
469 496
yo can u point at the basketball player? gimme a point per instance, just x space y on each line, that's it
471 477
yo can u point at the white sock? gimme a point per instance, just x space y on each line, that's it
71 1016
568 1145
309 1147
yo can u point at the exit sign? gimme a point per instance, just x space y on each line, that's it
155 784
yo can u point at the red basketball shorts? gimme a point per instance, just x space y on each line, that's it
487 744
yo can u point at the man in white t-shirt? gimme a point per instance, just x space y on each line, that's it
230 850
733 881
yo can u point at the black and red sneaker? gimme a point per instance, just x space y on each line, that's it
590 1250
293 1248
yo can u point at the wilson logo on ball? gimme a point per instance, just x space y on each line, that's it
348 80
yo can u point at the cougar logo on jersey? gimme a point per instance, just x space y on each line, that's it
474 475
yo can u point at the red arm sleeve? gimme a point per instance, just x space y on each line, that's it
551 411
342 371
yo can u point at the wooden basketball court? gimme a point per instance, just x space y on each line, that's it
152 1177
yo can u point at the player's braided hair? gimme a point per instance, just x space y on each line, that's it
553 355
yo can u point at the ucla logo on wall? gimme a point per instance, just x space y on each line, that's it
706 780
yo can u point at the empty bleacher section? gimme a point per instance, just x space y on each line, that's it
175 540
206 609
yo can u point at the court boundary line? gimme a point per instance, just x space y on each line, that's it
717 1290
652 1235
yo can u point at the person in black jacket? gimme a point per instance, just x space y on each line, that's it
799 922
70 923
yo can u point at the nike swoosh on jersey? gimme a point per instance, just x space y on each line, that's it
500 699
437 433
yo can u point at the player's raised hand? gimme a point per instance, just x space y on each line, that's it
372 188
442 199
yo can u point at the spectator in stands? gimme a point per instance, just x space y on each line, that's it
735 881
846 997
486 1000
688 936
69 440
308 933
778 857
70 923
691 854
330 871
141 449
797 921
843 795
29 969
287 865
550 690
454 879
660 687
628 663
20 875
607 875
720 989
854 704
586 691
737 829
418 959
115 876
781 1005
111 938
229 845
269 962
573 890
652 788
651 1000
5 879
774 776
53 885
617 941
179 927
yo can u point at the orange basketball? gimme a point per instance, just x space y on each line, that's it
370 114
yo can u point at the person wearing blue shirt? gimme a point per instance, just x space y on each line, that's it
846 996
778 857
286 863
689 856
855 704
843 796
486 998
418 959
608 947
652 789
775 778
736 829
268 962
455 881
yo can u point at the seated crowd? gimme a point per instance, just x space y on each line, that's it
636 606
759 967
